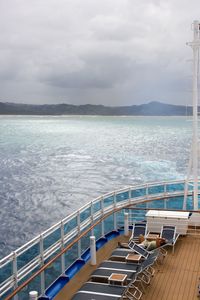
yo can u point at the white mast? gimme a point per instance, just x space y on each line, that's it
193 165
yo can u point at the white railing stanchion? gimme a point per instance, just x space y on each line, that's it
33 295
147 192
126 227
14 266
115 215
42 277
165 189
102 213
91 217
93 261
79 231
62 233
129 195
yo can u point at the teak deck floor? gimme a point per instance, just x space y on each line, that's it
176 279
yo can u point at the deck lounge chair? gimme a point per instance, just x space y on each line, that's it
91 296
116 265
138 229
102 273
120 254
170 234
145 268
107 291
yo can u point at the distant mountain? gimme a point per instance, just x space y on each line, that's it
150 109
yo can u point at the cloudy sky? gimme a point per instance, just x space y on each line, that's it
111 52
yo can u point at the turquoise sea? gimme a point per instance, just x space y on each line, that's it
50 166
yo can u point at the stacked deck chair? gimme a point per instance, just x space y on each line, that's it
138 229
169 233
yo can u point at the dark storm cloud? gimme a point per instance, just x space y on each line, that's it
110 51
96 72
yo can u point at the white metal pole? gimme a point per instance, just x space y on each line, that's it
42 275
93 261
15 273
126 229
195 47
33 295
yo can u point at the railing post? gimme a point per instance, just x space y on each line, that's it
129 195
115 216
165 200
62 234
42 279
33 295
79 231
165 189
91 217
102 213
147 192
93 261
15 273
126 227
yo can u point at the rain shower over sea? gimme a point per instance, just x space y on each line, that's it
51 166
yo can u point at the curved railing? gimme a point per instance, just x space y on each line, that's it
22 263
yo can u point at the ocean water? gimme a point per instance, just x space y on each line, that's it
50 166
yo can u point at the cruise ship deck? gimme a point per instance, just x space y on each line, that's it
177 278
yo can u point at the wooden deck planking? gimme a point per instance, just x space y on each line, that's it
177 278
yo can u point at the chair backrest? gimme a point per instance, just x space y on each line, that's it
138 249
139 229
168 232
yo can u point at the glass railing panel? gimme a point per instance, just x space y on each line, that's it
96 206
85 242
52 238
97 231
109 224
138 192
85 214
52 272
6 272
174 203
120 218
28 255
34 285
138 216
122 196
156 189
70 225
71 255
174 187
108 201
190 204
156 204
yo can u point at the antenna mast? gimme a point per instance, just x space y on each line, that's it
193 164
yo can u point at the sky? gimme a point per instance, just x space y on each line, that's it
110 52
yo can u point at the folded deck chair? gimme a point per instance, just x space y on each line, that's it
169 233
138 229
